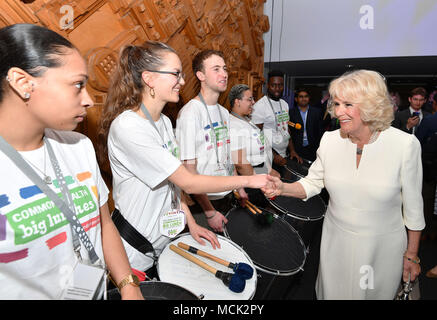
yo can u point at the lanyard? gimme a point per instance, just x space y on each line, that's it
175 199
78 233
226 145
246 120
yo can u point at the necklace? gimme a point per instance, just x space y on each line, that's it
46 177
372 139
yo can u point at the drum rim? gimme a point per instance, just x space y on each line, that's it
299 175
268 269
255 274
294 215
153 281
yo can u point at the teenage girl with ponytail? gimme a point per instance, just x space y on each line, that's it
143 152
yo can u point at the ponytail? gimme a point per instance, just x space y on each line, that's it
127 86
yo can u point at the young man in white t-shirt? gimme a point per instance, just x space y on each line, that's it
202 131
271 114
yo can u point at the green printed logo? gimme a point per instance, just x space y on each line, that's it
283 117
174 149
33 220
221 133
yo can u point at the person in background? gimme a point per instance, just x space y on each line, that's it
270 113
409 119
306 140
254 151
373 173
43 97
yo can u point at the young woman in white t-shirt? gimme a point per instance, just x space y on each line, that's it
254 153
43 97
142 148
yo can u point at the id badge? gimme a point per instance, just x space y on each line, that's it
172 223
85 282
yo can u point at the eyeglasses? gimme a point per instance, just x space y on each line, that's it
178 74
250 99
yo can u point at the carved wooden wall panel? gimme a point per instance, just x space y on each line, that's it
99 28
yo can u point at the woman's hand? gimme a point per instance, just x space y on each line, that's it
411 268
275 188
199 232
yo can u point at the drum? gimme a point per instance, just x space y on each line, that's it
295 170
305 216
156 290
276 249
176 269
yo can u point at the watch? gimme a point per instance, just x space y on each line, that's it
130 279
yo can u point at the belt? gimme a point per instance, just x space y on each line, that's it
130 234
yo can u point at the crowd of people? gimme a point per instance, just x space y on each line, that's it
363 149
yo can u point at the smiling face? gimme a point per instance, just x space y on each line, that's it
59 98
244 105
214 74
275 87
348 114
167 86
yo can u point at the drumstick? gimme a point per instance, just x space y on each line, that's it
234 282
244 270
295 125
249 204
254 206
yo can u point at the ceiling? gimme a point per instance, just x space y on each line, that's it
396 69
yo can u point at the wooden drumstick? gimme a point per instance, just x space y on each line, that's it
243 269
232 281
249 204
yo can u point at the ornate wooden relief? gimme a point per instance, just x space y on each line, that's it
100 28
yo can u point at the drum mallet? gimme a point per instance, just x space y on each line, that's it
297 126
261 216
233 281
244 270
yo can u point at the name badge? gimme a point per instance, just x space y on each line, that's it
84 282
172 223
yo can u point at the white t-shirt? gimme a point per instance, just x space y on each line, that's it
248 136
275 122
194 134
36 248
141 164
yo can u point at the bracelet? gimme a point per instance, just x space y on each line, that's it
415 260
211 216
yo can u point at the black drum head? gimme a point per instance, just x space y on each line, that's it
276 247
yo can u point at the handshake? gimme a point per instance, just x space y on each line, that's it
271 186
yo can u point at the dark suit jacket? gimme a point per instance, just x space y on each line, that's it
401 119
426 128
314 127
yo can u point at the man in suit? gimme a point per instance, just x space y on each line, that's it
306 140
409 119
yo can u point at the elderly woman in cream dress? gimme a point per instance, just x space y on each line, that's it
373 174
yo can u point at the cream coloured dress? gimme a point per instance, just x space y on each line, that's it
364 235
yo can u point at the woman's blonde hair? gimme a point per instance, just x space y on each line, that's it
369 90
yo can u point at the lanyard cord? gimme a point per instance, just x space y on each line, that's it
213 131
78 233
273 110
175 198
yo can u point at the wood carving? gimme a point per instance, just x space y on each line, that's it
100 28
